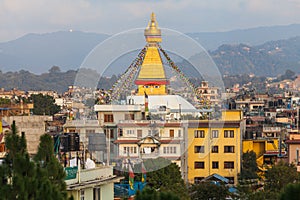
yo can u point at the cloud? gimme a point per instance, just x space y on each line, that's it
19 17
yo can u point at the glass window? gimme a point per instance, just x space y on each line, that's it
130 132
108 118
228 165
179 133
97 193
199 134
215 165
199 149
215 133
229 134
129 116
199 165
215 149
81 194
171 133
228 149
139 133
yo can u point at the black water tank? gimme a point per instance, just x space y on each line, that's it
73 141
64 143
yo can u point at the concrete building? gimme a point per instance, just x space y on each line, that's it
96 183
215 146
293 143
33 126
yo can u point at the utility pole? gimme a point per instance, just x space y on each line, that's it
297 119
108 145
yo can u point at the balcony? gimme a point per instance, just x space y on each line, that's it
271 129
149 155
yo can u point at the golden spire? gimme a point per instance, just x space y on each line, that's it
152 32
152 78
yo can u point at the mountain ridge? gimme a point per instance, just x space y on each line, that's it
39 52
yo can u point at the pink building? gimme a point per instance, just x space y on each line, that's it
294 149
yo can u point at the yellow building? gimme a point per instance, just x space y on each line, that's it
266 147
215 146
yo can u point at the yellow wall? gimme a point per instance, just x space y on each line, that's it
231 115
152 66
209 157
151 90
260 147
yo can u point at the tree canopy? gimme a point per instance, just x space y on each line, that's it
208 190
280 175
151 194
165 176
44 105
249 166
24 178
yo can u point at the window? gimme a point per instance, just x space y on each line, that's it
139 133
109 133
199 134
198 179
129 116
81 194
215 149
179 133
215 133
199 165
228 165
120 132
130 132
171 133
131 150
199 149
90 131
231 180
97 193
215 165
229 134
228 149
174 150
108 118
169 150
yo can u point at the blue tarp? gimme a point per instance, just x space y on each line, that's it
123 189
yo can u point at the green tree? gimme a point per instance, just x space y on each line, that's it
280 175
51 172
207 190
17 172
249 166
291 192
24 178
4 101
164 176
44 104
151 194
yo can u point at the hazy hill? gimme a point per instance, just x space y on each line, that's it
269 59
38 52
251 36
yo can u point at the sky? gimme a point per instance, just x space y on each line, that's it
20 17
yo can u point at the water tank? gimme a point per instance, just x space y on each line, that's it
73 141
